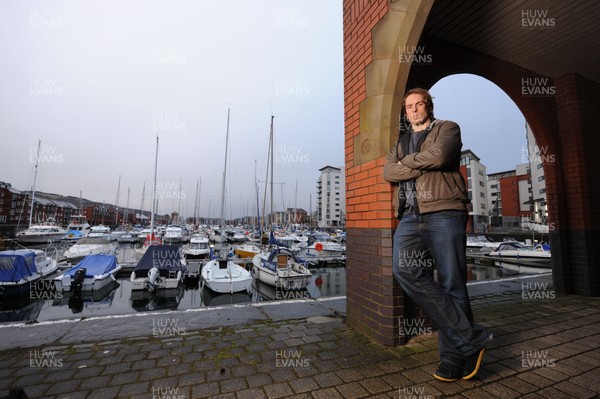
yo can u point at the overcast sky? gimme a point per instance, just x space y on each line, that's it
97 81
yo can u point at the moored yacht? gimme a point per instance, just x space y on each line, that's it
197 248
43 233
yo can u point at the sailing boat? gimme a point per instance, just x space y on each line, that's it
41 233
279 267
221 274
161 266
150 238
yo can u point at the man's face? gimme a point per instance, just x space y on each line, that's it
416 109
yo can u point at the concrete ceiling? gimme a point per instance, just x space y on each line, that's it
550 37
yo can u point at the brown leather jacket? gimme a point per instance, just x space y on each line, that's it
439 186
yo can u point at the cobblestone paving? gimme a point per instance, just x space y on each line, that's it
541 349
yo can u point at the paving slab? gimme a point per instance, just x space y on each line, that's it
543 348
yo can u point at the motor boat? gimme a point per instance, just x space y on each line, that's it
321 247
225 276
518 253
77 228
20 269
41 234
173 235
161 267
244 251
197 248
480 243
89 246
281 268
92 273
101 231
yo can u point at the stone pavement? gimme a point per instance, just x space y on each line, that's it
545 346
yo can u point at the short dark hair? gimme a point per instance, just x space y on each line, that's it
425 94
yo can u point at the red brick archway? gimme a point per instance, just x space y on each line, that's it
375 79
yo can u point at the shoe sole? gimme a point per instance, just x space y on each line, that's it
445 379
476 369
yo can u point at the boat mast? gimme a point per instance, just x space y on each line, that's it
37 158
224 176
196 203
142 204
154 192
271 156
295 218
268 221
126 217
117 203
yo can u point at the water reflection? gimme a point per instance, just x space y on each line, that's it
119 299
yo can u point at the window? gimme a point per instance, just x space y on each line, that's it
494 186
542 190
541 178
468 172
482 206
480 172
540 166
481 184
482 195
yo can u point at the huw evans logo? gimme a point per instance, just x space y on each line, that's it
537 154
167 259
410 327
537 19
168 123
46 154
414 55
44 290
414 259
44 18
44 87
418 192
44 359
167 393
167 327
537 291
290 87
290 358
169 190
291 18
537 87
536 359
413 393
290 154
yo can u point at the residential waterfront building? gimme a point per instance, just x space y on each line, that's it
331 197
474 173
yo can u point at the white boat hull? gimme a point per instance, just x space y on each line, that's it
94 283
163 283
77 252
226 279
290 277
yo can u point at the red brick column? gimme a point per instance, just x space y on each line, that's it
373 33
371 295
578 239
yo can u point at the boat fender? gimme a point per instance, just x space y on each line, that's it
77 282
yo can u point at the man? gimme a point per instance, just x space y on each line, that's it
430 199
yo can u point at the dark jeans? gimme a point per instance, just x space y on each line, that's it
438 240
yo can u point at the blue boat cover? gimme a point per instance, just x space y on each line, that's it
95 265
15 265
163 257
